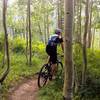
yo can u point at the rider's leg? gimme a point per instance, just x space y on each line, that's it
48 59
54 64
48 50
52 52
54 69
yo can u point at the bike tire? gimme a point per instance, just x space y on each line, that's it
59 69
43 75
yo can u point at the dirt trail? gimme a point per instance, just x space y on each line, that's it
25 91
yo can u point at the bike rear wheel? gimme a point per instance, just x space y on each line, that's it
43 76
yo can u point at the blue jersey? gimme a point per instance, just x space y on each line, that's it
54 40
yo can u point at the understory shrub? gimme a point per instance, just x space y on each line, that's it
18 45
38 49
1 41
91 91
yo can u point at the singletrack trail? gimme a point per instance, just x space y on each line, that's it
25 91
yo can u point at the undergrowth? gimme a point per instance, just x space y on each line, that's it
91 91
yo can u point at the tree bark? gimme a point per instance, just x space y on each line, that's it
27 36
59 8
93 37
99 41
6 41
90 24
84 44
47 16
30 35
45 35
68 61
4 56
44 20
40 31
80 20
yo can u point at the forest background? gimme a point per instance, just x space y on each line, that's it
29 26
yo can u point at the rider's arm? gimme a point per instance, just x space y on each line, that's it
62 43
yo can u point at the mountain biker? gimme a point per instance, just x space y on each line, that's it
51 48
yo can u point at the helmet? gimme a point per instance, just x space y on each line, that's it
58 31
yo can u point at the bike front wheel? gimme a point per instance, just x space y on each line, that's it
43 76
59 72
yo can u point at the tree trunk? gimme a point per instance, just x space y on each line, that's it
84 44
77 20
76 80
61 14
80 20
27 38
47 25
77 31
74 20
68 75
44 19
40 31
93 37
30 35
99 41
4 56
90 19
24 29
59 6
45 35
6 41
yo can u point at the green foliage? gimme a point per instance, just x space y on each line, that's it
1 41
53 91
77 56
18 66
96 45
18 45
91 90
19 69
1 55
38 49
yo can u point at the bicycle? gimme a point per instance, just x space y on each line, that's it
45 72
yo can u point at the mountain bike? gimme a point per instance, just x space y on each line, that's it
45 72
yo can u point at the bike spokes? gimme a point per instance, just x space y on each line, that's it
59 70
43 76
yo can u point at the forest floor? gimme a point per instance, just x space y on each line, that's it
27 90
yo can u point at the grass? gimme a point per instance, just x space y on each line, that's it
53 91
19 69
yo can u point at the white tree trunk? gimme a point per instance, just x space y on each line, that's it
68 75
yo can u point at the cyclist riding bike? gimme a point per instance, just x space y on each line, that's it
51 48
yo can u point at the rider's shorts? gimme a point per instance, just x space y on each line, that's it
52 52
